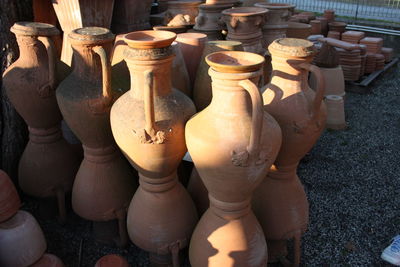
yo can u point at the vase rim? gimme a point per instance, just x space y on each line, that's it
34 28
293 47
235 61
91 34
149 39
245 11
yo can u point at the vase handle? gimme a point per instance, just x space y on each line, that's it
242 158
106 73
47 90
319 91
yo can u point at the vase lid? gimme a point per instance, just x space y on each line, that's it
293 47
149 39
245 11
235 61
34 28
91 34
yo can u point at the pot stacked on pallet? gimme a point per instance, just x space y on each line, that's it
353 37
22 242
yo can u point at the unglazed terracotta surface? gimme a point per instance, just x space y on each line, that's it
148 125
232 141
22 241
180 74
130 15
9 198
280 202
335 110
48 164
104 184
182 12
245 25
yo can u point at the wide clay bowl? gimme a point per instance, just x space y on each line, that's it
22 242
149 39
235 61
9 199
112 260
48 260
245 11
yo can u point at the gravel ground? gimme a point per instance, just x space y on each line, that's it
351 179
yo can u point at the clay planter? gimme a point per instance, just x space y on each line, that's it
329 14
73 14
232 141
192 46
334 81
48 165
181 80
48 260
316 27
112 260
245 25
280 202
337 26
298 30
130 15
202 87
104 184
148 125
181 12
22 241
9 199
335 110
324 25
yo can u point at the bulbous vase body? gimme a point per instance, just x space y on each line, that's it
232 142
104 184
48 165
148 123
280 202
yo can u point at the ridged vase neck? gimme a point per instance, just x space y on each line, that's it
158 185
229 210
30 49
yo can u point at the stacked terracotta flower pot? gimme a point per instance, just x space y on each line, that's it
374 44
380 61
388 53
350 60
329 14
353 37
370 64
334 35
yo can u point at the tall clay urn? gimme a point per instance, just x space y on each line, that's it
48 165
232 142
280 202
104 184
148 124
245 25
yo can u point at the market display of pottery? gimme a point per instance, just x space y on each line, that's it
243 89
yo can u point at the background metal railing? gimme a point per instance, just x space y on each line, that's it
373 12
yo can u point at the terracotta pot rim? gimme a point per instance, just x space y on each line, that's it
192 35
337 23
149 39
234 61
91 35
298 25
293 47
245 11
34 28
215 6
275 6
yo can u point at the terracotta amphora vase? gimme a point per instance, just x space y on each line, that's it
280 202
276 26
48 260
22 241
130 15
232 142
74 14
48 165
104 184
181 13
9 198
148 124
202 86
245 25
120 78
192 46
209 20
112 260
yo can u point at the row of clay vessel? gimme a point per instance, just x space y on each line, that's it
233 142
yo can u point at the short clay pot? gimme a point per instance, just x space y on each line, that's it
316 27
329 14
337 26
9 199
181 80
181 12
22 241
335 110
202 93
48 260
112 260
245 25
298 30
334 81
324 25
209 18
278 13
192 46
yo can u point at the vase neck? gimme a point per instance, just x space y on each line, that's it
158 185
31 50
286 71
229 210
228 96
161 69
